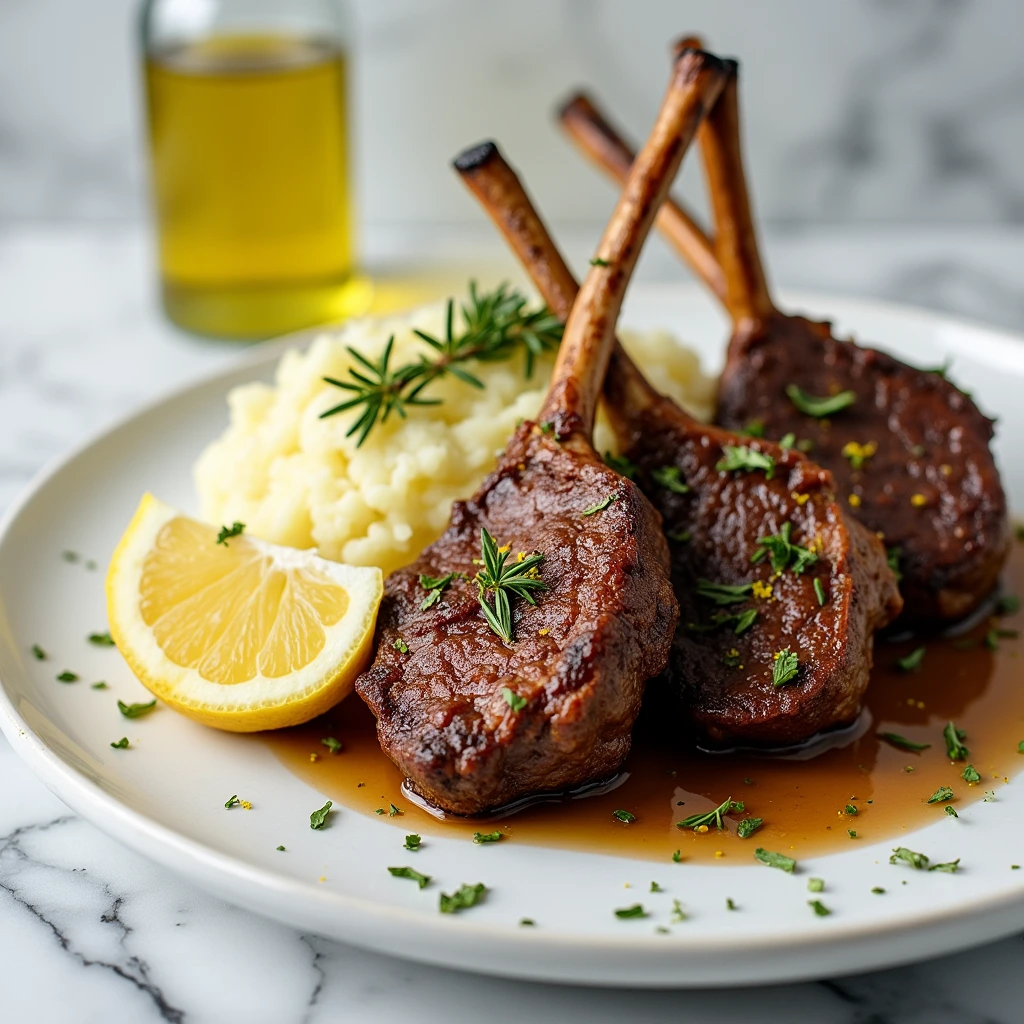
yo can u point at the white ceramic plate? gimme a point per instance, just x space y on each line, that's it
165 798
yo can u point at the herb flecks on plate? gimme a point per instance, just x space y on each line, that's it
902 743
775 860
135 710
954 737
412 874
713 817
463 898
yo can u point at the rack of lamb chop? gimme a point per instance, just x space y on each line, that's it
526 675
909 450
780 593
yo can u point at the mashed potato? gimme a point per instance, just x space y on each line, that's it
296 479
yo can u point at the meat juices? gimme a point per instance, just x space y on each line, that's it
474 722
725 659
910 456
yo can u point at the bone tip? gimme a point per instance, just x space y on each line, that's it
691 61
574 104
475 157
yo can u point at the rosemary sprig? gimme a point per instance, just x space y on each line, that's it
495 326
505 581
713 817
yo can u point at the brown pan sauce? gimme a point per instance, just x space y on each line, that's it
802 797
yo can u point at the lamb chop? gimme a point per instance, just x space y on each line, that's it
780 594
909 450
526 677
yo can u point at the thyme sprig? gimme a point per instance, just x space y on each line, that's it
504 581
496 325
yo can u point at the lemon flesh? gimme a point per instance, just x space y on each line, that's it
241 635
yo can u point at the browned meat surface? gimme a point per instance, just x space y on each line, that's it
931 488
911 455
475 721
820 598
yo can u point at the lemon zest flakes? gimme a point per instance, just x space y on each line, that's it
762 591
800 499
854 500
543 632
858 454
918 500
246 805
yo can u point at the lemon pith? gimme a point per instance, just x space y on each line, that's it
243 636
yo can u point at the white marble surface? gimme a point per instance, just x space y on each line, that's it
91 933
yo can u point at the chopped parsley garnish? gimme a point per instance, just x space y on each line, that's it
911 661
333 745
677 857
755 428
819 591
713 817
954 738
748 826
488 837
513 700
319 817
101 685
878 890
730 904
464 897
852 833
970 774
121 744
280 849
892 559
234 530
678 914
67 677
815 884
949 867
624 816
783 552
851 810
914 859
71 556
819 908
940 795
623 466
101 639
38 653
775 860
600 506
597 261
232 801
743 459
951 811
810 405
787 441
902 742
723 593
412 874
671 479
637 910
413 841
527 922
505 581
393 811
436 586
401 646
135 710
785 667
1008 604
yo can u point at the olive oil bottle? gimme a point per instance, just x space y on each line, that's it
249 154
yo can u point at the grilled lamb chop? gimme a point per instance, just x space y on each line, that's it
909 451
477 721
818 590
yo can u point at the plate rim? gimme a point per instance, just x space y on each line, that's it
236 880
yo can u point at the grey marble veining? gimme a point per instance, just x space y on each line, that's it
90 932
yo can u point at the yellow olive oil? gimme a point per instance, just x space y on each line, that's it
251 182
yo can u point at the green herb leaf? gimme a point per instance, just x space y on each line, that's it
723 593
949 867
911 661
38 653
624 816
234 530
67 677
280 849
785 667
941 794
463 898
775 860
413 841
819 908
748 826
815 884
333 745
970 774
678 914
232 801
656 888
101 639
787 440
902 742
730 904
412 874
819 592
135 710
519 579
393 811
598 262
527 922
637 910
744 459
121 744
671 478
851 809
783 553
623 466
677 857
101 685
713 817
401 646
513 700
878 890
951 811
600 506
487 837
915 860
852 833
755 428
954 737
809 405
319 817
435 585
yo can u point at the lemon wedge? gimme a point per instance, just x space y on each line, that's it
241 635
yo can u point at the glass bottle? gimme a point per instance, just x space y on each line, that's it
248 132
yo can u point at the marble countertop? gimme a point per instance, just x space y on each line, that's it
91 932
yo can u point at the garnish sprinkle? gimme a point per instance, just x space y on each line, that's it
101 685
121 744
38 653
954 738
393 811
513 700
401 646
810 405
637 910
748 826
940 795
951 811
815 884
775 860
624 816
464 897
67 677
671 479
333 745
318 818
488 837
970 774
600 506
436 586
413 841
135 710
234 530
412 874
101 639
902 742
819 908
232 801
911 661
911 857
783 553
785 667
519 579
713 817
819 591
742 458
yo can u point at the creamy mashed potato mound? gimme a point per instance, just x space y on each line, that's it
296 479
